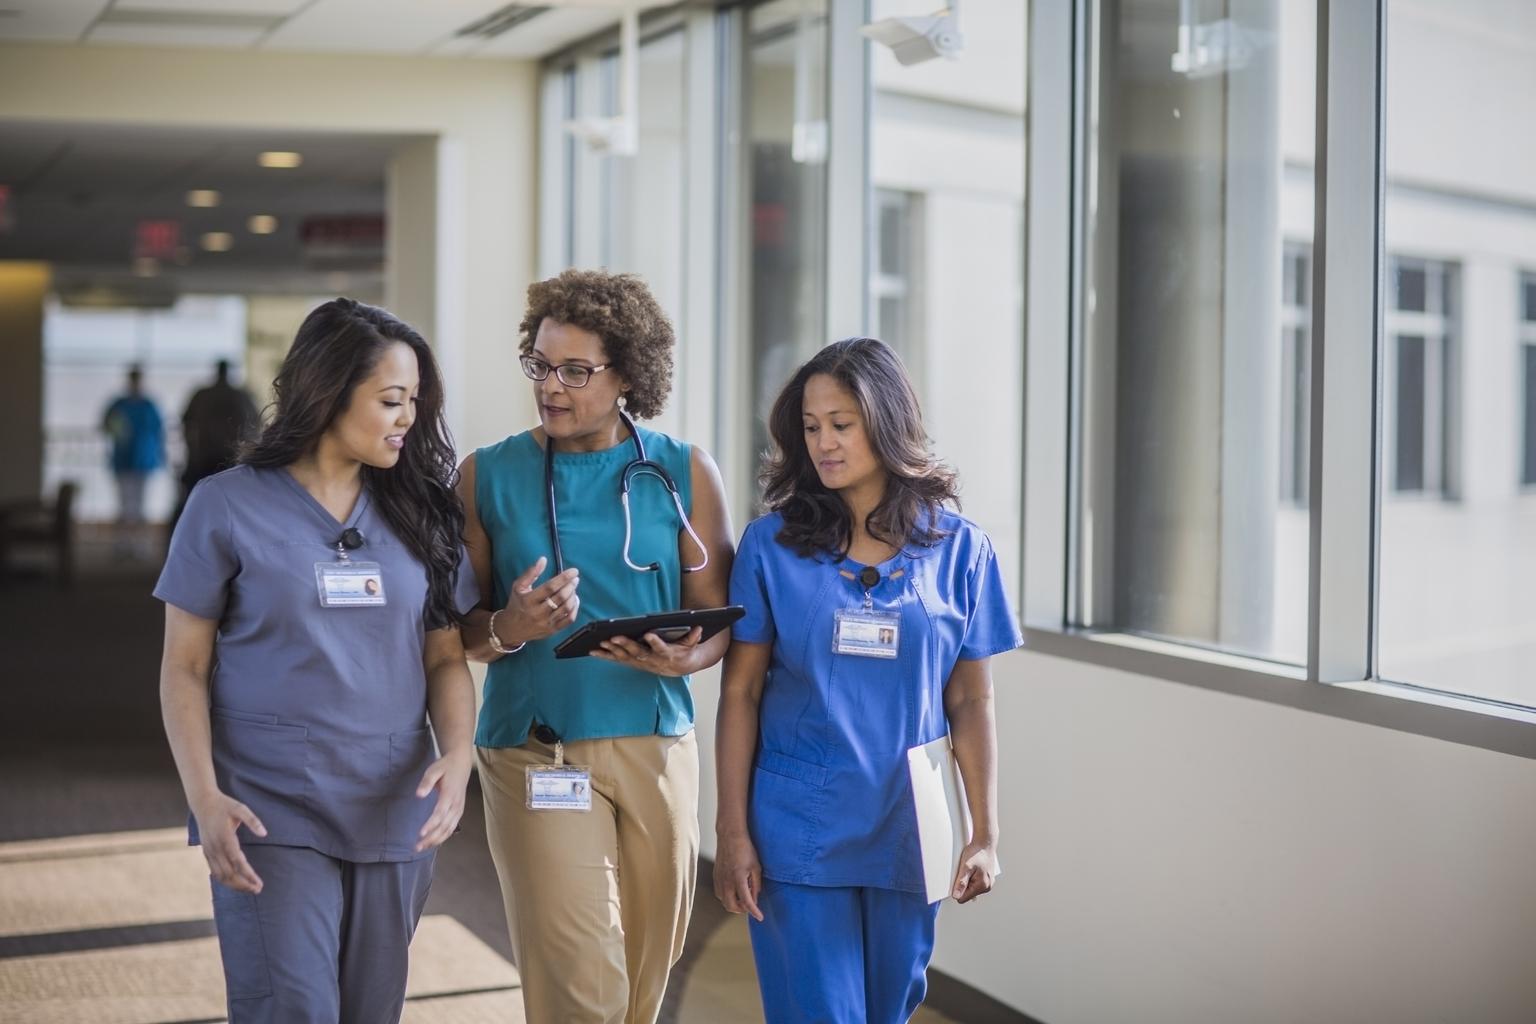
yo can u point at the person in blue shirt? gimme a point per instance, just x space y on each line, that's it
871 613
133 425
311 598
597 868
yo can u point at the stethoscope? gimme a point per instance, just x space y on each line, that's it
641 465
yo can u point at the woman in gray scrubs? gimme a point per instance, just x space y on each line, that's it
312 595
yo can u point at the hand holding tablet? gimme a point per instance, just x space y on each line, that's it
669 626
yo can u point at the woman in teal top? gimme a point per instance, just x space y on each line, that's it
587 764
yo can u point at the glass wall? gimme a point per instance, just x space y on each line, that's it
624 211
1458 528
1194 381
784 125
946 286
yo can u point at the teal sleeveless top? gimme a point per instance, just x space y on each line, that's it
583 698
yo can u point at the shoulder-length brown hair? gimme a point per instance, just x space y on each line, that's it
918 485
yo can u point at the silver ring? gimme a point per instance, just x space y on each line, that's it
553 605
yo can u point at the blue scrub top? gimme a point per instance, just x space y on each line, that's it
583 698
319 715
831 800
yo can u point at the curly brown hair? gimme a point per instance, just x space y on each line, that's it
620 310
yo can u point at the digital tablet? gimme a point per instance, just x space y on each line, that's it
670 626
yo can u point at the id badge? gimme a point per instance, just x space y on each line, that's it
565 787
866 633
349 584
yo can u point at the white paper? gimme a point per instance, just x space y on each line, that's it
943 818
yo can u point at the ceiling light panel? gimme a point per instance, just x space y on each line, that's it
268 8
280 159
357 25
203 198
174 35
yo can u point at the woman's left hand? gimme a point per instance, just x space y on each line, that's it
654 655
449 775
978 866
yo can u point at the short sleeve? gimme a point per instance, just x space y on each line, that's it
466 593
749 588
990 625
202 558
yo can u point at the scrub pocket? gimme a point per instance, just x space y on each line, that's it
262 764
409 755
241 944
785 813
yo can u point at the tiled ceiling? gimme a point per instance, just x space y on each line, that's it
406 27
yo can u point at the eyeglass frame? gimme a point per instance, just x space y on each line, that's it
528 357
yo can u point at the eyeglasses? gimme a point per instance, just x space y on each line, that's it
572 375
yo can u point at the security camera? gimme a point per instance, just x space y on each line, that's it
612 135
914 40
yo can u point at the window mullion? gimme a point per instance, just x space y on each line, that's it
1347 285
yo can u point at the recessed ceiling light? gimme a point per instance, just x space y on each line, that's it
262 224
218 241
146 266
278 158
204 197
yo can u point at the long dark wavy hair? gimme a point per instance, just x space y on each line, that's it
917 486
337 347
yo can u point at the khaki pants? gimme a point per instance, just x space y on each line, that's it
597 901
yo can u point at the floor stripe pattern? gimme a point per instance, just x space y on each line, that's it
125 922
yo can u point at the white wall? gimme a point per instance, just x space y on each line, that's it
480 115
1177 855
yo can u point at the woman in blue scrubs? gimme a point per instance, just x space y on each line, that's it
312 594
872 611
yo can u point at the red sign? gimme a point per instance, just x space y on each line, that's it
354 230
156 239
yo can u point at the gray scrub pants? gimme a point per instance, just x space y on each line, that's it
325 942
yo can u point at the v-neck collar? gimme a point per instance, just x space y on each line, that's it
331 522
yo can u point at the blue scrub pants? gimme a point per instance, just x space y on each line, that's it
325 942
830 955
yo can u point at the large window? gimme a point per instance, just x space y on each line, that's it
625 211
1194 327
785 130
946 165
1454 592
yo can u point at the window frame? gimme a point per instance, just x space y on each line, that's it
1526 318
1346 477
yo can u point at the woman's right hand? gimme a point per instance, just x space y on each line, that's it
738 875
218 816
533 613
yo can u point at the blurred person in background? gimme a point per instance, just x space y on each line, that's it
132 422
217 420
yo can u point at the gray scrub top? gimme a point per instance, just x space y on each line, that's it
319 715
